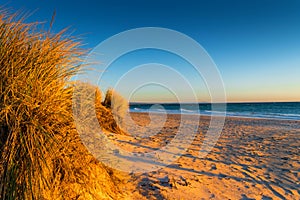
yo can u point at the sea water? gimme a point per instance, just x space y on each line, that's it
277 110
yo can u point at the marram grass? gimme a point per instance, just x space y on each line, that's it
109 113
42 156
118 106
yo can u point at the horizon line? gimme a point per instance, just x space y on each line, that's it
144 102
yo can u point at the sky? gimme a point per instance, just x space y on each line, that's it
255 45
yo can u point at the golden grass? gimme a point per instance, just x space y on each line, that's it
89 98
42 156
118 105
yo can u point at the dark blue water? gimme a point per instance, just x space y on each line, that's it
285 111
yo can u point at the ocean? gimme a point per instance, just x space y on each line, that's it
277 110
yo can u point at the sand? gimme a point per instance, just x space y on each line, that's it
252 159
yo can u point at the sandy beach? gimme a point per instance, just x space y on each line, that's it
253 159
156 100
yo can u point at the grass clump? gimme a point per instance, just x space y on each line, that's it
118 105
42 156
88 102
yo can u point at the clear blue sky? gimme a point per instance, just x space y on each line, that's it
255 44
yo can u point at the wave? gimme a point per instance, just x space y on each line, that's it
189 111
289 110
148 110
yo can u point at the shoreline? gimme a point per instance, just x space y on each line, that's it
236 117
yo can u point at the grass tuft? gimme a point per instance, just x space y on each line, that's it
118 105
42 156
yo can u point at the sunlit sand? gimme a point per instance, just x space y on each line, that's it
253 159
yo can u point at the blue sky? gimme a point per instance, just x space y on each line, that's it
255 44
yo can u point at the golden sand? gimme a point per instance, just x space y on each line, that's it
253 159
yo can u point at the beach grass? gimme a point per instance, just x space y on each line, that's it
42 156
118 105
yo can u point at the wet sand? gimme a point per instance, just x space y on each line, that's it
252 159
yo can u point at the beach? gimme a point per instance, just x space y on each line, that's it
252 159
162 100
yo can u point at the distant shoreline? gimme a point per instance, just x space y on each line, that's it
226 117
236 102
278 111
